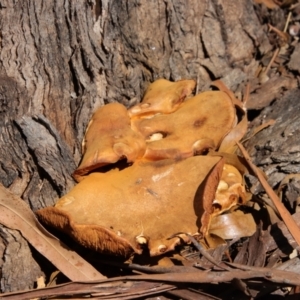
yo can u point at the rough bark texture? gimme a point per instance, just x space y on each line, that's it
19 269
59 60
276 149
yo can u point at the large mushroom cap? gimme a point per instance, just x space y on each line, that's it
198 125
117 211
108 139
162 96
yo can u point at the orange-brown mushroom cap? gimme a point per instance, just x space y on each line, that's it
198 125
230 191
108 139
224 189
118 211
162 96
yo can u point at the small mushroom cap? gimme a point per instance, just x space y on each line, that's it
108 139
162 96
230 191
198 125
150 199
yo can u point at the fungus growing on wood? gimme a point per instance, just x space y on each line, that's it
108 139
171 186
162 96
121 212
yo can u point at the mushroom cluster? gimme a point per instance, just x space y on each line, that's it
144 169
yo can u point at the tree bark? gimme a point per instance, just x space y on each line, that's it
60 60
276 149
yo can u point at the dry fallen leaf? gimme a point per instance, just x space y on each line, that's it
233 225
149 284
239 130
209 192
236 134
17 215
268 3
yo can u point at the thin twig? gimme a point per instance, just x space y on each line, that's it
284 213
203 252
